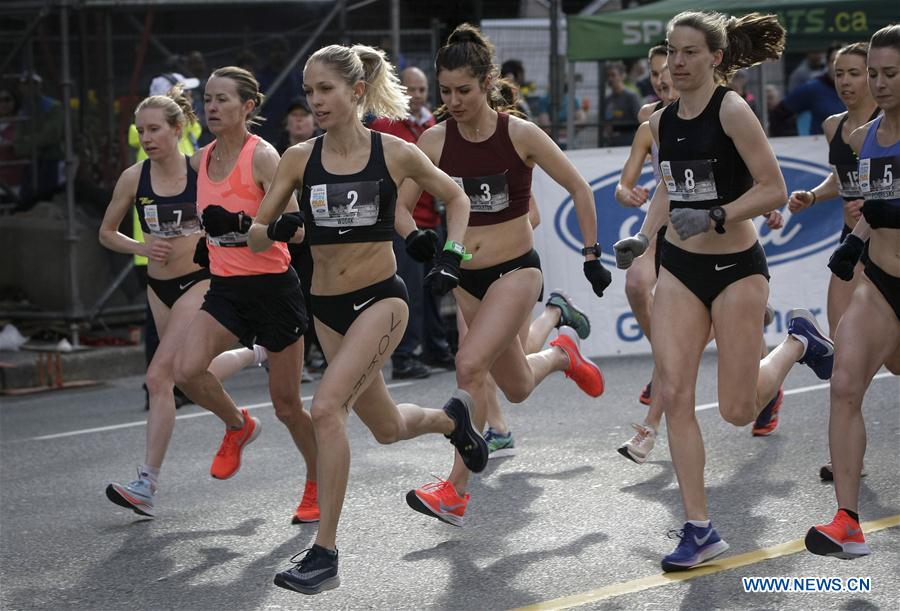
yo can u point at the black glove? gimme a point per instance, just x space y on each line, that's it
845 257
421 245
880 213
201 253
285 226
444 276
597 275
218 221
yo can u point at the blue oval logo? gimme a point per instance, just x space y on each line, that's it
813 230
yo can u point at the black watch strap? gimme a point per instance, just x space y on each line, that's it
591 250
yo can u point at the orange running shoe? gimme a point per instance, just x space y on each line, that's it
646 396
843 538
308 509
228 459
585 373
768 418
439 500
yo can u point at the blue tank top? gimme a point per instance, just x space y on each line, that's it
879 167
167 216
346 208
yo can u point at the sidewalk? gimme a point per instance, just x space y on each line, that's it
20 368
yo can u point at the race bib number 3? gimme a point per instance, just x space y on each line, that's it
847 175
689 181
486 193
878 177
349 204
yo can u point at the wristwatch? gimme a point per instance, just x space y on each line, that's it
592 250
457 249
717 214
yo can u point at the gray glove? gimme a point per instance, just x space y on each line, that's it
688 222
629 248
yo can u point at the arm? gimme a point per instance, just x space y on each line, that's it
120 205
407 196
627 193
828 188
768 191
279 178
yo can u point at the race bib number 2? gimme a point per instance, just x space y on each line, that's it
878 177
689 181
350 204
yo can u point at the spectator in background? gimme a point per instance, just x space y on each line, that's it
562 116
514 70
778 128
275 107
44 135
196 67
738 84
809 68
247 60
622 107
635 71
818 96
11 175
425 327
299 125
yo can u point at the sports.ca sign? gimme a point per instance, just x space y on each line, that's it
797 253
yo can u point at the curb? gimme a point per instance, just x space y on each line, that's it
20 368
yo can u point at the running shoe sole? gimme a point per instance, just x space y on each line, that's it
475 459
713 551
329 584
413 500
118 495
646 398
624 451
502 453
770 426
253 437
296 520
827 475
821 544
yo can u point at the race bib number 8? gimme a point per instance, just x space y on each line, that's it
689 181
847 175
878 177
486 193
348 204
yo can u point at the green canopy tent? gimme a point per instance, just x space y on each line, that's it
811 24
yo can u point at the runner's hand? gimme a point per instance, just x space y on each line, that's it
285 226
630 248
218 221
444 276
688 222
597 275
201 253
421 245
845 257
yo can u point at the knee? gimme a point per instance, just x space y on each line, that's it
846 387
387 432
288 410
325 416
637 290
676 401
516 394
470 371
737 412
159 381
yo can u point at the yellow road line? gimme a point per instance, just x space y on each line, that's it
653 581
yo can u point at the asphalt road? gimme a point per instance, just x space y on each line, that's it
566 517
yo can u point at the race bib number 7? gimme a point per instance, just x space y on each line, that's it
689 181
349 204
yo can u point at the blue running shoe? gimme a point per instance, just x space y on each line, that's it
499 445
818 353
571 316
698 545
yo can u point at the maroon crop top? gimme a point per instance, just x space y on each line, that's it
491 173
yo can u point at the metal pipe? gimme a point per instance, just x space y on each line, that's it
395 31
554 70
25 37
299 54
570 103
75 307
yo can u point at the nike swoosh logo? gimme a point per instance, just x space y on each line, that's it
358 307
703 540
343 231
680 139
311 574
853 531
447 508
184 286
718 268
509 272
449 275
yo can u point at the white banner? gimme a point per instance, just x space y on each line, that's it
797 253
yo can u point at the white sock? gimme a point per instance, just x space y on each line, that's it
699 523
260 355
151 474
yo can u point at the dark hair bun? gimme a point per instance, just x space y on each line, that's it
463 35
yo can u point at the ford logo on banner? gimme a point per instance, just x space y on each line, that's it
810 231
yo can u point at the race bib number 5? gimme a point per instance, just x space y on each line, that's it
350 204
689 181
878 177
486 193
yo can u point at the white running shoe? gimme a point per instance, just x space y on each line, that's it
137 495
638 448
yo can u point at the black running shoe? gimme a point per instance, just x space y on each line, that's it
316 572
409 369
468 442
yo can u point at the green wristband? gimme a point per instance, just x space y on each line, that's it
457 249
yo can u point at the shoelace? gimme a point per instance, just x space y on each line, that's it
230 443
676 533
642 433
440 484
299 563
